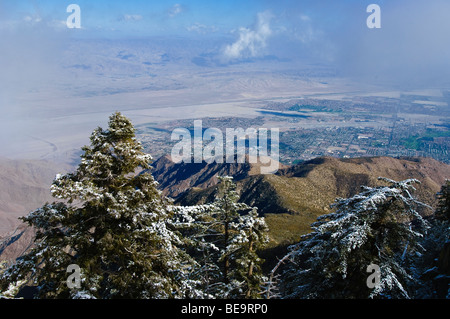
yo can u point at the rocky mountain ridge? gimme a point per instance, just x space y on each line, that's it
295 196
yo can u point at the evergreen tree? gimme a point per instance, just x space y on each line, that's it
226 212
431 269
193 223
250 235
240 232
225 237
443 209
374 227
113 224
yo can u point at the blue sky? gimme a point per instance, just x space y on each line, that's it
257 27
144 17
140 17
412 41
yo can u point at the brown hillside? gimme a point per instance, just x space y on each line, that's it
293 198
175 179
24 186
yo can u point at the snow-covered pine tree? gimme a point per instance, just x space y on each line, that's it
226 212
225 237
239 232
372 227
194 223
431 269
112 224
250 236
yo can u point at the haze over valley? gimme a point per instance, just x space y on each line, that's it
58 84
351 103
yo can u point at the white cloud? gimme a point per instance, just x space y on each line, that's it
131 17
304 17
251 41
175 10
32 19
201 28
29 22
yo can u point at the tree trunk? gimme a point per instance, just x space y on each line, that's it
250 267
226 261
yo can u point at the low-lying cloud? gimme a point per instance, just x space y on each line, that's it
201 28
251 41
32 50
175 10
410 49
131 17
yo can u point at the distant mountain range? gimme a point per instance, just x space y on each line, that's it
290 200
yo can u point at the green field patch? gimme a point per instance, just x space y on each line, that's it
415 142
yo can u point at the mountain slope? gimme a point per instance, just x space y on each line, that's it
290 200
293 198
24 186
175 179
